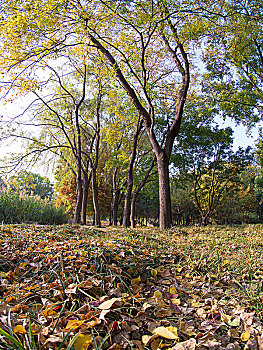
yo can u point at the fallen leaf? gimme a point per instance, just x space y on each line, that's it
19 330
164 333
108 303
158 294
136 281
82 341
245 336
186 345
154 272
73 324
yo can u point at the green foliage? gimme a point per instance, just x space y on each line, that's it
16 208
25 182
233 58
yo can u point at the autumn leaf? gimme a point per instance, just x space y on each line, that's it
245 336
186 345
166 332
82 341
19 330
136 281
108 303
49 312
154 272
158 294
73 324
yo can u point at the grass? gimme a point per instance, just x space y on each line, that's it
69 267
18 208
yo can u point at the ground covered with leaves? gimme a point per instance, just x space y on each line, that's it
85 288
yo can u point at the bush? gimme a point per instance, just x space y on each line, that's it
17 208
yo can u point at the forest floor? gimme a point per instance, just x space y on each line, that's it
81 288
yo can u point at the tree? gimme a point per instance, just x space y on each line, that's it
149 32
69 121
31 184
204 154
234 60
154 33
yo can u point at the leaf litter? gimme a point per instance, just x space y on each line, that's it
83 288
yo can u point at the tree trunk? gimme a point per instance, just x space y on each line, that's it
95 198
115 207
164 191
78 207
127 202
86 184
134 197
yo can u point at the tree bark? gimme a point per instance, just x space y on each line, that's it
77 214
127 202
95 162
115 207
78 207
86 184
97 221
165 215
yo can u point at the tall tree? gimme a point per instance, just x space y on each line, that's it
146 44
150 32
234 60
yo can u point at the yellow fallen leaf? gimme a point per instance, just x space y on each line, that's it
245 336
49 312
158 294
82 341
108 303
235 322
73 324
19 330
136 281
154 272
164 333
172 290
201 312
173 330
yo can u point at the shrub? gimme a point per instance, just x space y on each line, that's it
17 208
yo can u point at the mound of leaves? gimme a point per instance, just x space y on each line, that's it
79 288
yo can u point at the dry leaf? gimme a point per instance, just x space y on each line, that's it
164 333
186 345
73 324
19 330
108 303
245 336
136 281
82 341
